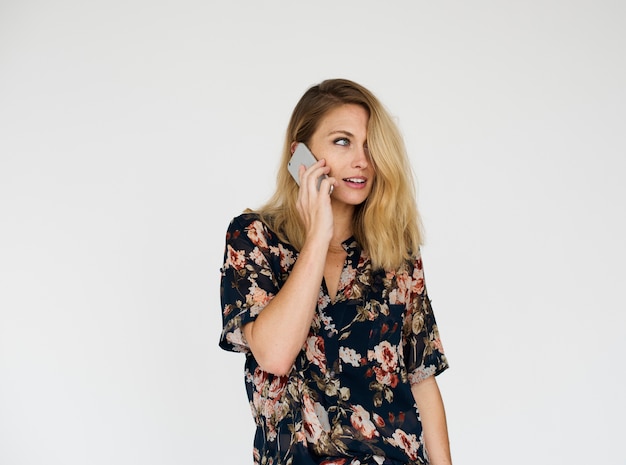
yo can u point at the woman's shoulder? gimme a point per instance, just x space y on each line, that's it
251 224
409 267
245 219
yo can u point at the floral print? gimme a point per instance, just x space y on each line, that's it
347 399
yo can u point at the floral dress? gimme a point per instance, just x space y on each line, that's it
347 399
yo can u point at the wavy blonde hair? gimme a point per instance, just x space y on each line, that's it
387 225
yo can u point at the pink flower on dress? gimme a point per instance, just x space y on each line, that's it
418 279
256 405
286 257
347 277
407 442
314 419
257 299
277 386
235 258
360 420
403 292
386 378
438 345
259 378
315 352
257 234
266 399
386 355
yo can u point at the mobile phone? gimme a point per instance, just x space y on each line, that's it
302 156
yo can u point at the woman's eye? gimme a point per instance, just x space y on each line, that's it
342 141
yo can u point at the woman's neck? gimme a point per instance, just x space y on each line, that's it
342 228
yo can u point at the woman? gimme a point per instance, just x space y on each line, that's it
323 290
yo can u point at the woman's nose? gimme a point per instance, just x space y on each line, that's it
361 158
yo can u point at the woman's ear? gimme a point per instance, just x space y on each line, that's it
294 144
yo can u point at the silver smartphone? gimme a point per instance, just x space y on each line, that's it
302 156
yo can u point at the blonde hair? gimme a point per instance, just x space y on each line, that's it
387 224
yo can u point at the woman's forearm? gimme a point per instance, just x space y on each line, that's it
280 330
435 428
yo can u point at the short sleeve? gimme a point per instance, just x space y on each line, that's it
423 351
248 282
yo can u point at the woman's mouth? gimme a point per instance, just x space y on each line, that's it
356 182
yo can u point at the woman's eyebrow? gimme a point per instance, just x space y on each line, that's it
341 131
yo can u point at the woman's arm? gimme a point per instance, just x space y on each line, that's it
279 332
430 406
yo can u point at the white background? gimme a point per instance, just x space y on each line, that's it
132 131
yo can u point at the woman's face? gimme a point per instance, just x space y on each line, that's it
341 139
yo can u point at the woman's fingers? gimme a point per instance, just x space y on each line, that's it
327 184
313 203
314 175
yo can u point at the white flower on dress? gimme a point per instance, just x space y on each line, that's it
360 419
323 301
350 356
237 339
421 373
257 256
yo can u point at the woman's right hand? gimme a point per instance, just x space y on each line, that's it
313 205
